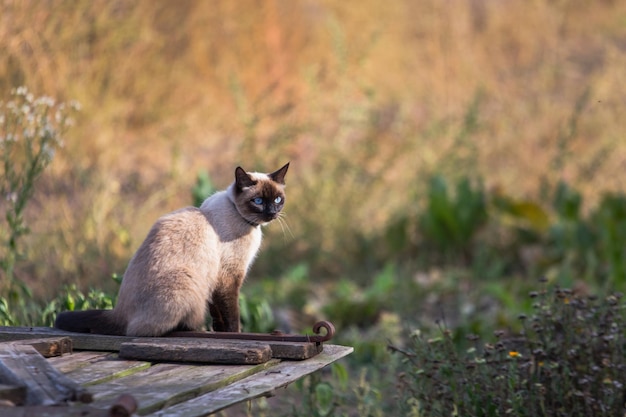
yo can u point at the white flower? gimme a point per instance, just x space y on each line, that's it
74 104
48 151
45 101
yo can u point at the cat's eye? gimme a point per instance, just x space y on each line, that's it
258 201
278 200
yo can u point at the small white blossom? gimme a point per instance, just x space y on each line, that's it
74 104
45 101
48 151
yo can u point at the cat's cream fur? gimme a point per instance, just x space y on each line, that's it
191 260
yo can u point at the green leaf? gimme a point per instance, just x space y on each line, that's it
340 374
325 398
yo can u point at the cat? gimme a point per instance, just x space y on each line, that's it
193 259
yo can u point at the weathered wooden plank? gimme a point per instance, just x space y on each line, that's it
296 351
48 347
22 365
199 351
81 341
260 384
47 411
163 385
77 360
106 370
124 406
95 342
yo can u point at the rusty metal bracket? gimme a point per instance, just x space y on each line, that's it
275 336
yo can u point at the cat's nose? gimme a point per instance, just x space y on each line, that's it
270 214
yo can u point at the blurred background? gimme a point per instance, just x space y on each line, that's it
444 154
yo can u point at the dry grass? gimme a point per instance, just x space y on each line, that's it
364 101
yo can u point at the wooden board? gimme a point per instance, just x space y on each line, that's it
22 365
261 384
96 342
81 341
78 360
192 350
164 389
50 346
124 406
107 370
45 411
163 385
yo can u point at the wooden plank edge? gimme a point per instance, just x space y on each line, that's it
97 342
22 364
252 387
119 374
48 347
106 396
197 351
124 406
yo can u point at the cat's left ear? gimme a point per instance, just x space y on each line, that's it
279 176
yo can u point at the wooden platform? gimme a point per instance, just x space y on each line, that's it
166 388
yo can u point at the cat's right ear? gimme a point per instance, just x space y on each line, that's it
242 179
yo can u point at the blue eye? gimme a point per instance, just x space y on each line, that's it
258 201
278 200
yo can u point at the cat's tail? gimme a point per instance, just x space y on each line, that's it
90 321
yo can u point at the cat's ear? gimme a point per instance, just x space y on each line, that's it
279 176
242 179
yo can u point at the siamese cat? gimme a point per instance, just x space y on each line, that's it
192 260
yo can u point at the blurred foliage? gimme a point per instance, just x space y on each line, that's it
452 222
203 188
570 244
30 133
256 314
568 360
31 313
366 109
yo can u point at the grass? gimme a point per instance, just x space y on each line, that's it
391 124
567 360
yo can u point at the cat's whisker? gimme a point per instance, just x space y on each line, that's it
284 225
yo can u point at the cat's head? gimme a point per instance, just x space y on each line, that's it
260 197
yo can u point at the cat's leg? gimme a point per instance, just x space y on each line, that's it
224 309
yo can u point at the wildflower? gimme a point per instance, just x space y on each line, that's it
514 354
